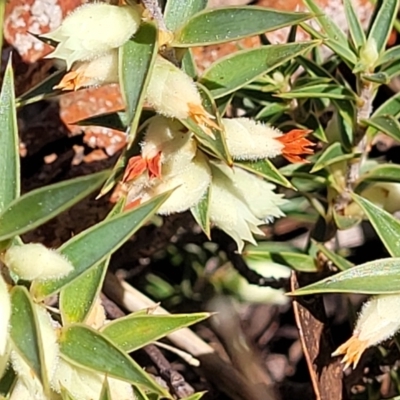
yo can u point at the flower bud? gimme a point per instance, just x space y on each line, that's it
379 320
5 313
369 54
240 202
250 140
35 261
100 71
174 94
93 30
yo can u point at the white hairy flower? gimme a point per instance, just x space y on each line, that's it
173 93
251 140
379 320
35 261
190 184
93 30
240 202
99 71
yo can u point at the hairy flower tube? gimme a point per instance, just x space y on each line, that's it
251 140
93 30
190 184
35 261
379 320
100 71
166 140
173 93
240 202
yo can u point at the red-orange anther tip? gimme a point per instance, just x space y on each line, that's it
136 166
296 145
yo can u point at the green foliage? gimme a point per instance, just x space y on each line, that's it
287 86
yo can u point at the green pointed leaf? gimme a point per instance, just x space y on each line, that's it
135 331
382 173
220 25
386 124
77 300
237 70
380 77
376 277
391 69
389 107
386 226
94 244
266 170
337 260
200 213
105 391
327 91
43 90
331 155
65 394
383 23
25 333
136 59
337 40
175 14
281 254
9 142
89 349
355 28
114 120
390 55
40 205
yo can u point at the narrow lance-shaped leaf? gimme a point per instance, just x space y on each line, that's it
337 39
383 23
43 90
136 58
175 15
237 70
225 24
40 205
89 349
9 155
382 173
265 169
77 299
386 124
355 27
332 154
386 226
135 331
25 333
100 241
376 277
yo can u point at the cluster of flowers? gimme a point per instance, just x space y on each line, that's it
239 201
34 262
